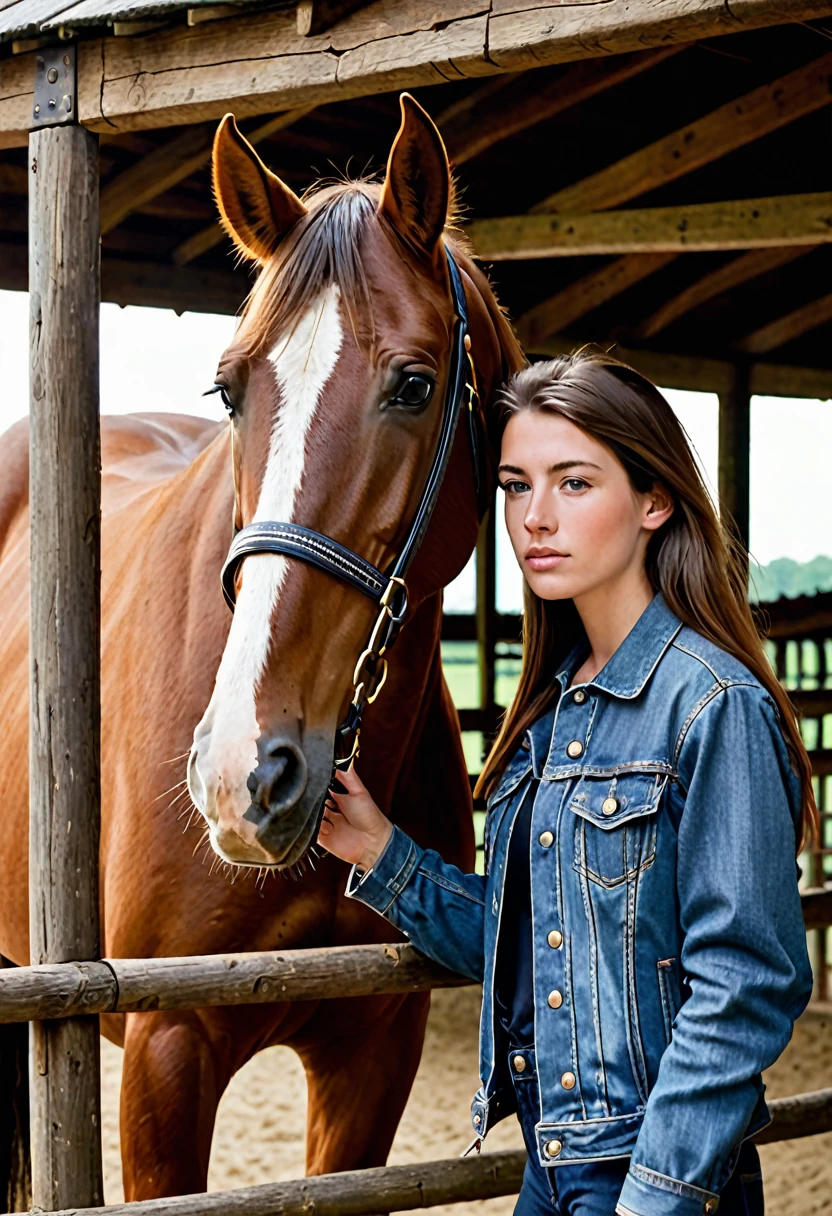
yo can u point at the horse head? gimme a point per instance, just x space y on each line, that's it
334 383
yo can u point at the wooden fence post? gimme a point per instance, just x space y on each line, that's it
64 777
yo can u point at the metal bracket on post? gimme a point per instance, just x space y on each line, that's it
56 75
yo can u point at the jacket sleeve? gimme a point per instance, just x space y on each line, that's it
437 906
744 953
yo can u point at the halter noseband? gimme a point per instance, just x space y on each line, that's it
388 590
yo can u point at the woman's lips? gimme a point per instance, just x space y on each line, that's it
545 561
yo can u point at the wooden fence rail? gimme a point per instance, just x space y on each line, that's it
136 985
402 1188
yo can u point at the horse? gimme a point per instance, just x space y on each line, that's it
333 385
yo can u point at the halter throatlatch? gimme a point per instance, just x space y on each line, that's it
388 590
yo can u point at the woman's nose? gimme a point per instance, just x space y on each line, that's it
539 518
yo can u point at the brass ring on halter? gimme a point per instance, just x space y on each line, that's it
346 761
372 696
382 628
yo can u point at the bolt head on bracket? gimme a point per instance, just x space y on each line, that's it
55 99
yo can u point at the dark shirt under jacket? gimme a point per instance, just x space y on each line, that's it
514 995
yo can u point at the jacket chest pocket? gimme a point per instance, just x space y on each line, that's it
616 825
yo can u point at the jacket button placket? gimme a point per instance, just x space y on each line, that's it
554 1044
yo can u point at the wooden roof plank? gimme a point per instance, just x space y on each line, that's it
108 12
27 17
744 269
258 63
723 130
560 311
488 116
793 219
786 328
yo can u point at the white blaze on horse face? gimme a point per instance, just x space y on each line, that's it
225 741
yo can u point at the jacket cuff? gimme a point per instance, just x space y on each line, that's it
647 1193
380 886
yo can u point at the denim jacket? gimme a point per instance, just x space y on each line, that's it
669 951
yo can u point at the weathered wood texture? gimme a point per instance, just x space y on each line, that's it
135 985
403 1188
734 449
65 470
316 16
722 131
260 63
560 311
200 981
739 270
792 219
785 329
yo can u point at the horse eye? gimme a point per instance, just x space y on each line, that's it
414 392
224 397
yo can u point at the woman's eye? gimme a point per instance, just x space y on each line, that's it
514 487
414 392
576 484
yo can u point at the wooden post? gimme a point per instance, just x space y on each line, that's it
64 780
734 444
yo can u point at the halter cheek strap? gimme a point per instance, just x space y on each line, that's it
387 589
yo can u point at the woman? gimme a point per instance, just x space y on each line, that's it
638 931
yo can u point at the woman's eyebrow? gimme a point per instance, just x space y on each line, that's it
555 468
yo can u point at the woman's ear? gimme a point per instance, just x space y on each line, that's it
256 208
417 187
658 507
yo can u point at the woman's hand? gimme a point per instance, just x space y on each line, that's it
354 829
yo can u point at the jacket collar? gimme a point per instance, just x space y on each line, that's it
624 675
630 667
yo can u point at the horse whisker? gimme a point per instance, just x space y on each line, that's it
184 781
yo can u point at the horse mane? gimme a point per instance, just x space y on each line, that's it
321 249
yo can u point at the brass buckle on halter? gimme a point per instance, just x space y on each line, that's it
366 677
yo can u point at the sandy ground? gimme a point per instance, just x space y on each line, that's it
260 1129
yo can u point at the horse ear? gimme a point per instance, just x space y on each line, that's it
256 208
417 188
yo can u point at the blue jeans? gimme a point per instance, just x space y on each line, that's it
592 1188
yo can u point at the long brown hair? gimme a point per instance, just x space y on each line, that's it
695 561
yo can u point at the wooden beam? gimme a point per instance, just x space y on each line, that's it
402 1188
317 16
64 644
787 328
794 219
725 129
708 375
561 310
506 106
206 238
259 63
733 274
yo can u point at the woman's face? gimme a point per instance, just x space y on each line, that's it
575 521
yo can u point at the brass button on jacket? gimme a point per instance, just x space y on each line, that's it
609 806
580 696
546 839
575 749
555 999
519 1063
568 1080
553 1148
555 939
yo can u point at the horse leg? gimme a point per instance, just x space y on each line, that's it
176 1066
359 1084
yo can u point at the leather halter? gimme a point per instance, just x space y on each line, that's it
387 589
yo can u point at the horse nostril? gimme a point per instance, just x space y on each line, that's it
279 779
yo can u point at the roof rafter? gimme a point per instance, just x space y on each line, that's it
725 129
744 269
559 311
786 328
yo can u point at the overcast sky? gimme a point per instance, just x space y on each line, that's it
153 360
